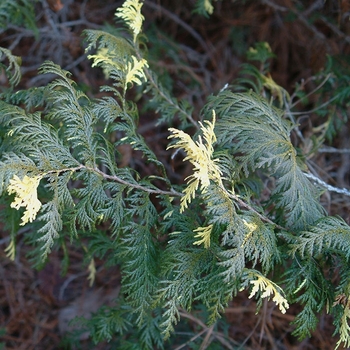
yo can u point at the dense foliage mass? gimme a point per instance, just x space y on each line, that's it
178 246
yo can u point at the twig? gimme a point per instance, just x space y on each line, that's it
191 340
183 24
220 337
317 108
168 100
318 4
118 179
313 91
336 30
274 6
247 206
206 340
334 150
328 187
54 27
75 62
172 193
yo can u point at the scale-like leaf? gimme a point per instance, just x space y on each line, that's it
259 139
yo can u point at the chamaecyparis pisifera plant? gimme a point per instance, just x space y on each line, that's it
177 245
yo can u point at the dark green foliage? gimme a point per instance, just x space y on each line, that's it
255 129
18 12
334 94
107 322
308 286
166 104
12 70
327 235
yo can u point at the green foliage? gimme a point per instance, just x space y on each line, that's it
13 65
204 7
308 286
18 12
258 78
336 83
197 248
328 235
256 130
2 332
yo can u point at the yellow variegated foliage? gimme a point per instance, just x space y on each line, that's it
92 272
10 250
135 72
103 56
275 89
26 196
269 288
200 154
130 12
203 234
251 228
208 7
344 330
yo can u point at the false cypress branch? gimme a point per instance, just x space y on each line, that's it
115 178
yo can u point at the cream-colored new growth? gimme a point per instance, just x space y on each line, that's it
26 196
130 12
200 154
135 72
203 235
269 288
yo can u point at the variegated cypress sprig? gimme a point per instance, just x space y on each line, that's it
200 155
130 12
13 69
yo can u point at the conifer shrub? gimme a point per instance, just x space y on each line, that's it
177 245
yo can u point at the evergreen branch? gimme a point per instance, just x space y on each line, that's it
108 322
115 178
26 196
203 235
140 254
234 262
139 281
118 179
171 103
70 141
260 138
306 284
53 225
344 329
20 13
220 292
267 288
171 317
72 107
130 12
327 234
204 8
30 135
10 250
259 242
199 154
14 64
245 205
